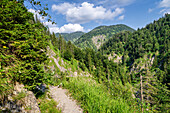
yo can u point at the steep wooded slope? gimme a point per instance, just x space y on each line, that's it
99 35
146 56
155 37
23 59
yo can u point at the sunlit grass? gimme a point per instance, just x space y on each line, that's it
94 97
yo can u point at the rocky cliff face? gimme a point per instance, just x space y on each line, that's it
98 40
20 101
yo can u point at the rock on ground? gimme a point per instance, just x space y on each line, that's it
25 104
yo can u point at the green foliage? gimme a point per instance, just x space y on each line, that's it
71 36
55 50
22 44
47 105
154 37
152 42
94 97
118 78
86 39
68 55
19 97
5 86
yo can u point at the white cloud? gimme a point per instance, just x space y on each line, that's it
124 2
114 3
150 10
121 17
36 13
52 27
62 8
71 28
164 11
86 12
165 4
67 28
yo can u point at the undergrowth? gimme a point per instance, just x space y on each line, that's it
94 97
47 105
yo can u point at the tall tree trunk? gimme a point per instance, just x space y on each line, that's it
141 91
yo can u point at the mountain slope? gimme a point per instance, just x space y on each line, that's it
145 53
71 36
97 36
153 39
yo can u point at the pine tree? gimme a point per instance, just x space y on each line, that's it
150 86
70 47
89 62
62 44
22 44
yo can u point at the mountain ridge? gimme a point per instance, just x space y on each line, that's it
71 36
92 39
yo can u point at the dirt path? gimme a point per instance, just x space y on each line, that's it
66 104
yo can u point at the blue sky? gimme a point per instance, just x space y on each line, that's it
85 15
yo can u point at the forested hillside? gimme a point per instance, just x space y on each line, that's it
144 69
146 55
153 39
71 36
103 72
32 56
23 43
99 35
23 59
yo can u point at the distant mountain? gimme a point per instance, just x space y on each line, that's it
71 36
95 38
152 38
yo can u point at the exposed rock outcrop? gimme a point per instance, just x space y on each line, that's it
20 101
98 40
116 58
